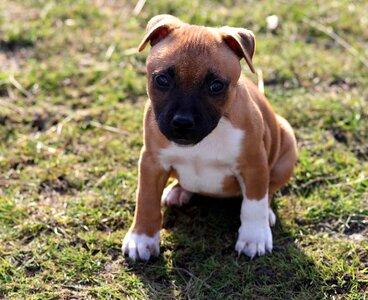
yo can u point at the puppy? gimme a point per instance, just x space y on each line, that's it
211 130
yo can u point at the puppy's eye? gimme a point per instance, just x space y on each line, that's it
216 87
162 81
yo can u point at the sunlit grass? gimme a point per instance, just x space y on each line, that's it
71 107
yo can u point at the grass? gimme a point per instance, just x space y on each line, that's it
71 101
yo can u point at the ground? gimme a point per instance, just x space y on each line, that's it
72 92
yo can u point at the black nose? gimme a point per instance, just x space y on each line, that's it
182 122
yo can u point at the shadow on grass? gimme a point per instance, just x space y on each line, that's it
198 259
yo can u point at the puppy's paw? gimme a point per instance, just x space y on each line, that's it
254 238
271 217
175 195
141 246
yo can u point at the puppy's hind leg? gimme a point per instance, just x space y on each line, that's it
284 167
174 194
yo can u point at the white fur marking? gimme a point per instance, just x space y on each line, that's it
141 246
255 235
204 166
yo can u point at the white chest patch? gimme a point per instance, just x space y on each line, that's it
204 166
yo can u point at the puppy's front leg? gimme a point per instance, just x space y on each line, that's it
143 237
255 235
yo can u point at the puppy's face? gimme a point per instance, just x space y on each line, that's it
192 77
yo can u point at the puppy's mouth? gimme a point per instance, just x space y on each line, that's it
184 142
188 138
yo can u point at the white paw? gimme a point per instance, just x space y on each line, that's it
271 217
254 238
141 246
175 196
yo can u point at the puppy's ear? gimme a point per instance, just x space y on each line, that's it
158 28
241 41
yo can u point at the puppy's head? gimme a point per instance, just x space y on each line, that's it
192 75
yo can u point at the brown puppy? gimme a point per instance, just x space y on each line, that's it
210 128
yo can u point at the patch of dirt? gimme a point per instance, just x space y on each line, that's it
360 151
32 269
281 81
21 161
342 285
345 84
339 135
78 241
61 185
109 224
12 46
42 120
114 253
354 227
14 52
11 61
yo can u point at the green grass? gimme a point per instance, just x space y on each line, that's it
67 180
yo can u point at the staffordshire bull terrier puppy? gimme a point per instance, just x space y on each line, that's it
211 130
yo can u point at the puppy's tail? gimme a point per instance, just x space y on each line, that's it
260 80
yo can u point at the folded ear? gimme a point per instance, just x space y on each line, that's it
158 28
241 41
